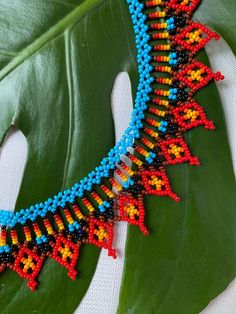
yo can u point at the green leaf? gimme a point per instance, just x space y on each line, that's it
189 257
58 62
219 15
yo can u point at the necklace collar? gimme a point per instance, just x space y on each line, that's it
166 41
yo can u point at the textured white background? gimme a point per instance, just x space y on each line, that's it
103 294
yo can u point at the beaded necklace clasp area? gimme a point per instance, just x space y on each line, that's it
167 41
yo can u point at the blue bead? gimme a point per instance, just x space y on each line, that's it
107 164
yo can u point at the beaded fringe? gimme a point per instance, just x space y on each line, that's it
172 41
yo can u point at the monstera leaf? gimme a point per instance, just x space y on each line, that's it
59 60
189 258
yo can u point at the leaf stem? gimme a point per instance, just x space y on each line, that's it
71 19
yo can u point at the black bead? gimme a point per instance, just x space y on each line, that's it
14 248
6 258
175 67
136 189
44 248
182 95
180 20
183 57
172 128
173 103
175 84
135 178
32 244
172 31
50 238
158 161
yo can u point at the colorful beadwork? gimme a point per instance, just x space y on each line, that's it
167 41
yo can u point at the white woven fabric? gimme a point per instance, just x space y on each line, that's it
225 303
103 294
12 163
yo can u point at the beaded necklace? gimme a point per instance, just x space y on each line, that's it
167 41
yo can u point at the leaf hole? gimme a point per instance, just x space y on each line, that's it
122 106
13 155
121 103
223 59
